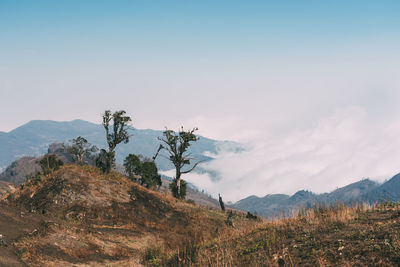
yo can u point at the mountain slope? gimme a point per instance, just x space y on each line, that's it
19 170
390 190
33 139
78 216
6 187
268 205
84 217
362 191
335 236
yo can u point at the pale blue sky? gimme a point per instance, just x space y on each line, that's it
242 70
136 54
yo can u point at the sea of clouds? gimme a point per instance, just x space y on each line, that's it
339 149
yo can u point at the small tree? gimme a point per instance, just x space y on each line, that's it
177 144
146 169
115 134
80 148
132 166
221 202
104 161
50 163
149 175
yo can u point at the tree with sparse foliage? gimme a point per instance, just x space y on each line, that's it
80 148
116 133
50 163
176 144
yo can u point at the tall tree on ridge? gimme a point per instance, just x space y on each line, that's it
115 134
177 144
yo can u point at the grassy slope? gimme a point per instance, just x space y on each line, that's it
87 218
339 236
78 216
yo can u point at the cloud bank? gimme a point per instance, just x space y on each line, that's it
335 151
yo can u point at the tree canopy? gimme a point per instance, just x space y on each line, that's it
118 131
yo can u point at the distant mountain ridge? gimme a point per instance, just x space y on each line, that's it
34 138
364 191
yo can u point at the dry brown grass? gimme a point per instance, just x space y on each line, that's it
324 236
92 219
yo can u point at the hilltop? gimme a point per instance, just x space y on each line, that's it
77 215
18 172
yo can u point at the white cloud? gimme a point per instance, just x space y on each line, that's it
342 148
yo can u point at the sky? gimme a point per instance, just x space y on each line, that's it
310 88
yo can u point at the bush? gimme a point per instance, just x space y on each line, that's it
174 189
50 163
104 161
132 166
149 174
146 169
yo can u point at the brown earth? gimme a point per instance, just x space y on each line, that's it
78 216
13 226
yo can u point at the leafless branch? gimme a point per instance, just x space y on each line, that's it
194 166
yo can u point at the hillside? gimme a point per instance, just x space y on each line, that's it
33 139
338 236
78 216
390 190
6 187
81 216
18 172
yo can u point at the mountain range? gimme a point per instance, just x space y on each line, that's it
34 138
364 191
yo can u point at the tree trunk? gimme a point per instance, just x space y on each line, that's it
80 159
178 182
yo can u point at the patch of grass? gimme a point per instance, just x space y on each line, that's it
319 236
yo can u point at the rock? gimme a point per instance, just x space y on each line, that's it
2 241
